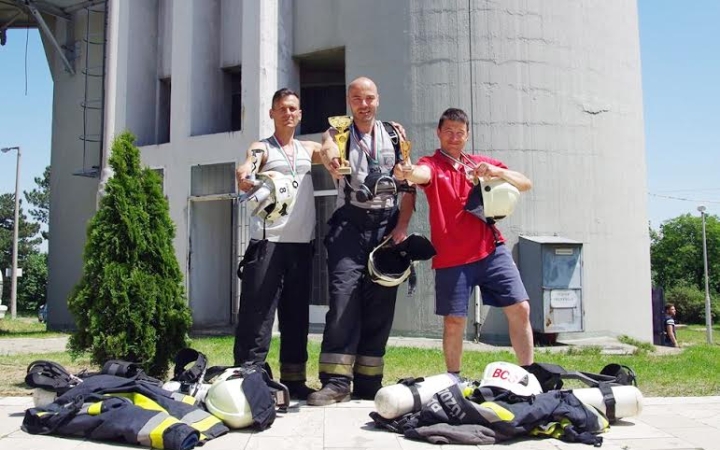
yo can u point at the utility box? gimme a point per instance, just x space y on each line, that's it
551 269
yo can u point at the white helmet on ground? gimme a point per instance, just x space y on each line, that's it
274 197
226 401
512 377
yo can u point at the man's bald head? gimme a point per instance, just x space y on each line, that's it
363 99
362 83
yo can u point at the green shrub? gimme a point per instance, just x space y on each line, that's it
689 302
130 303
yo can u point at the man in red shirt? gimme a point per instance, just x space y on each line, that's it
470 251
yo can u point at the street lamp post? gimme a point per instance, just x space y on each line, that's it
708 313
16 226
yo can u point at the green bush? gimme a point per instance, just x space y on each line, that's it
130 303
689 302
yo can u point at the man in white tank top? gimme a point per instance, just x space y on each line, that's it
276 269
359 320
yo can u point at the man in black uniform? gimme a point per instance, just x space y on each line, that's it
358 323
277 272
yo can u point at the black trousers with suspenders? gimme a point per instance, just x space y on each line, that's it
358 323
276 276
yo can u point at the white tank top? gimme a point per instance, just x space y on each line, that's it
376 147
299 225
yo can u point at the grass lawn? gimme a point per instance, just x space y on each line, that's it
24 327
693 372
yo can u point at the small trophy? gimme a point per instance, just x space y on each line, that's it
406 165
342 125
405 147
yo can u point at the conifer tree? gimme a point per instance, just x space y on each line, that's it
130 303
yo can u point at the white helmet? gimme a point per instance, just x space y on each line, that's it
226 401
499 198
509 376
274 196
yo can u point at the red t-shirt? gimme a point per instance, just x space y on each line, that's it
458 236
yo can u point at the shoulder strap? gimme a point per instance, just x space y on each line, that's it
394 138
196 372
50 376
410 383
127 369
622 374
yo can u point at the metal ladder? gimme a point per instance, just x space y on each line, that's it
93 102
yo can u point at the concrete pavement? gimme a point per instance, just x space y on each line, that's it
666 423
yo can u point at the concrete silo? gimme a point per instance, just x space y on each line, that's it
553 89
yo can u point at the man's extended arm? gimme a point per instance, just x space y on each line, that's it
252 164
330 155
315 151
487 170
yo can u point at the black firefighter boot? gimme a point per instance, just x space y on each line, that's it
329 394
298 389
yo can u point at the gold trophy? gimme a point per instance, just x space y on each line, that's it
405 147
342 126
406 165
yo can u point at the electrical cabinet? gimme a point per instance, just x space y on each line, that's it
551 269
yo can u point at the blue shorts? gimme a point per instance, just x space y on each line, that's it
498 278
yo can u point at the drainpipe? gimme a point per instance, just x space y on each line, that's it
111 50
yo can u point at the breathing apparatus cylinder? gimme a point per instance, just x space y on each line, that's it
398 399
42 397
628 400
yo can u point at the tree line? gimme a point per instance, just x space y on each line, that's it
32 285
676 256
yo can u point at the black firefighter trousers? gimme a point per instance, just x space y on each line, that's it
276 276
358 323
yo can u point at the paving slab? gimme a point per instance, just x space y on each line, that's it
680 423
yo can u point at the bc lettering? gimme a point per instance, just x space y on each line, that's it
507 376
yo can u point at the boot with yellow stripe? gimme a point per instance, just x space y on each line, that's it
336 372
294 378
367 376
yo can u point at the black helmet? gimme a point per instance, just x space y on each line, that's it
390 264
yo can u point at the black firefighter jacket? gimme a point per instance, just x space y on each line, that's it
475 420
110 408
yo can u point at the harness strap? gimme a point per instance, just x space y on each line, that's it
195 373
120 368
411 383
609 400
394 138
50 376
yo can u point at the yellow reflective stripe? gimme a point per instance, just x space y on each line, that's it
291 376
156 434
292 372
186 399
336 358
140 400
42 413
371 371
504 414
551 429
206 423
370 360
336 369
95 409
